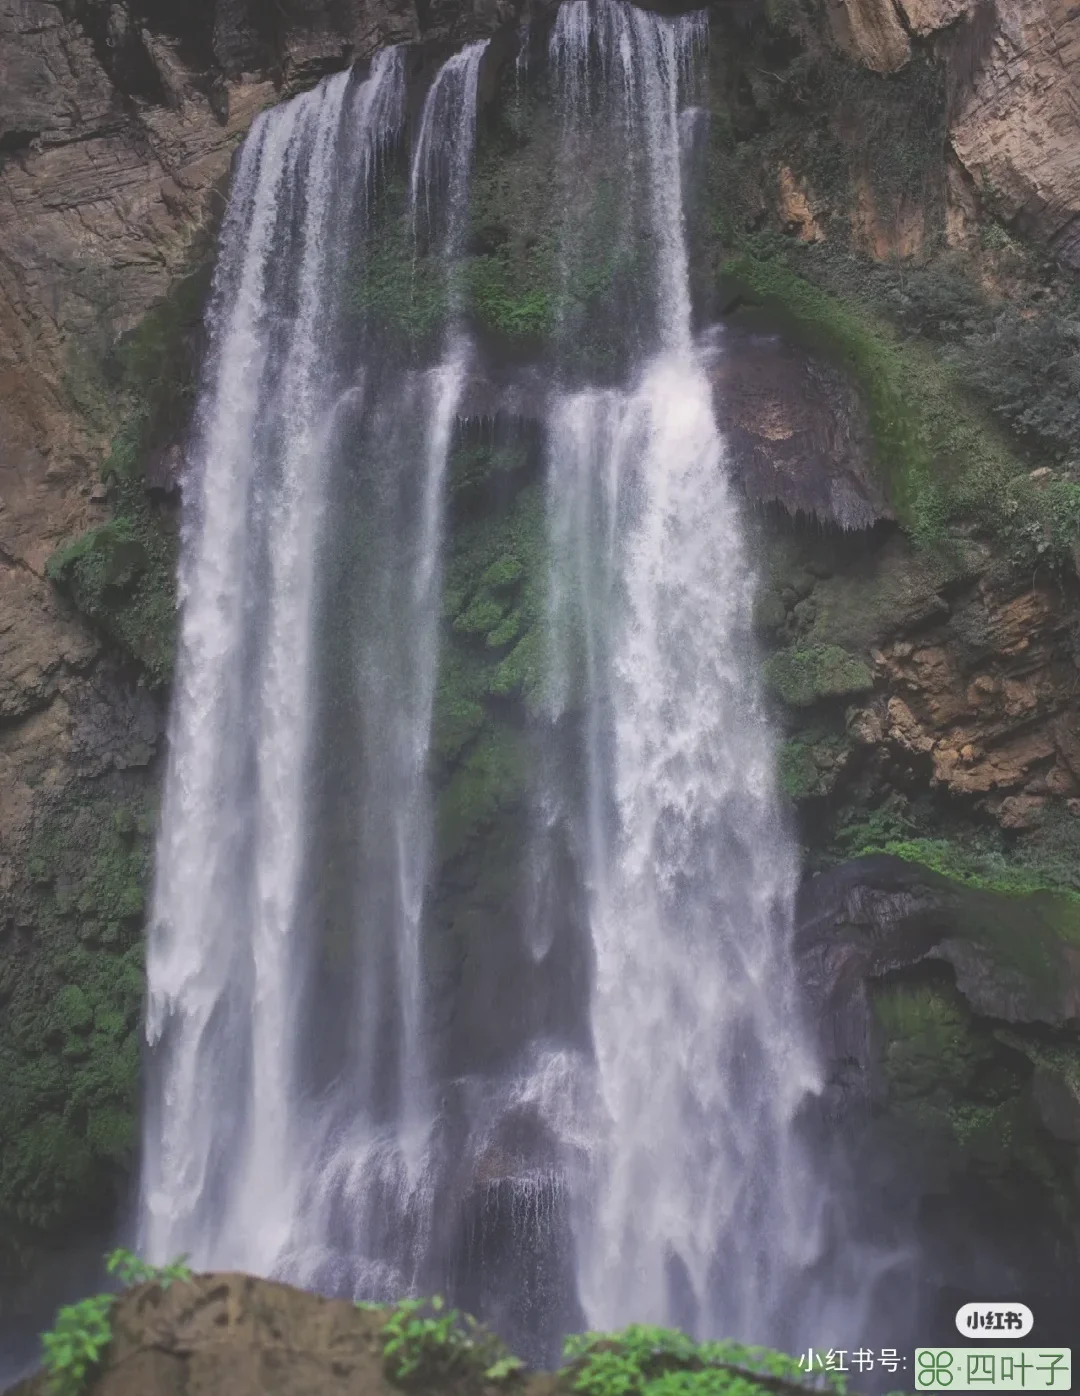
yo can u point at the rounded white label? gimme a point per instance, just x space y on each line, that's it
994 1320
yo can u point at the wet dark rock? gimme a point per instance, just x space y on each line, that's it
164 471
796 430
1013 957
948 1018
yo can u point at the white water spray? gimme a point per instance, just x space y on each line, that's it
240 1169
694 1210
669 1135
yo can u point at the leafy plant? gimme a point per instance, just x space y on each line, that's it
77 1343
131 1270
424 1342
937 302
646 1361
78 1340
1028 368
504 1368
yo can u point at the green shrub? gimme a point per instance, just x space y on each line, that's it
937 302
1028 368
426 1344
131 1270
78 1341
122 576
69 1036
645 1361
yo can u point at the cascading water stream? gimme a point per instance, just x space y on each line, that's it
638 1161
222 961
696 1205
372 1171
248 1162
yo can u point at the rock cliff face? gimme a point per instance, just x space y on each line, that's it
941 1008
1014 85
886 214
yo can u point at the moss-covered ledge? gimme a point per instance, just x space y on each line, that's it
121 574
952 1009
948 467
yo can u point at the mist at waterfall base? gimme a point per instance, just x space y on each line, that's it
614 1116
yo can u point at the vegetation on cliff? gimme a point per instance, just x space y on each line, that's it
71 988
225 1322
122 574
69 1045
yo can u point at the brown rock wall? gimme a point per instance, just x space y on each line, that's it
1017 128
1014 68
988 695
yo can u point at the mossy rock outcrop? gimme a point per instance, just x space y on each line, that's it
804 676
69 1022
950 1021
252 1337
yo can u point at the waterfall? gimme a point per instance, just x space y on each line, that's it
635 1159
695 1204
223 961
262 1122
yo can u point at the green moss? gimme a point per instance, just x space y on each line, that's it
44 1167
960 1090
493 591
69 1042
810 765
494 587
395 293
941 458
474 464
798 770
802 676
509 299
1023 928
488 781
482 615
930 1047
71 1011
985 867
506 572
505 632
122 574
458 718
551 265
1060 1058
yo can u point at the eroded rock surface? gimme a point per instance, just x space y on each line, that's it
1014 119
796 430
235 1333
